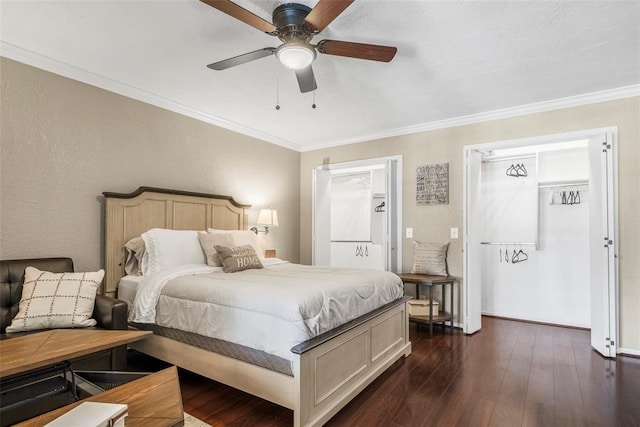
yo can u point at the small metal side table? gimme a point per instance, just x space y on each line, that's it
431 281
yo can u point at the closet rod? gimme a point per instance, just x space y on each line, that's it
563 183
351 241
502 159
509 243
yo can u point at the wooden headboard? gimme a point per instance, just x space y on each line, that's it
130 215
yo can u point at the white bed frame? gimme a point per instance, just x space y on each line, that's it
328 371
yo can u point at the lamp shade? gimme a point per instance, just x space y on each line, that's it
268 217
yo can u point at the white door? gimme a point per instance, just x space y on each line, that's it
472 262
390 245
393 226
602 238
321 254
602 245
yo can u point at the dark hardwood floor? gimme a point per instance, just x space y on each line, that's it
509 374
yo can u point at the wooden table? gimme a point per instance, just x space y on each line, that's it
153 400
430 282
42 349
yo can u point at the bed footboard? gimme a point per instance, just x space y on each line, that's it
332 370
329 370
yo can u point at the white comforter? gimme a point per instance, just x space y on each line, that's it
271 309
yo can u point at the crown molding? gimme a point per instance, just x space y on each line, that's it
538 107
37 60
28 57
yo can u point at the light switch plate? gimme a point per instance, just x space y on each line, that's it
454 233
409 233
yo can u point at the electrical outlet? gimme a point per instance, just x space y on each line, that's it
409 233
454 233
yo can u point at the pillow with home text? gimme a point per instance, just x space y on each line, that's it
238 258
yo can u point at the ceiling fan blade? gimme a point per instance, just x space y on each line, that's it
242 59
325 12
241 14
306 79
371 52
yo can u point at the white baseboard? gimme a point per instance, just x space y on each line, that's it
544 321
629 351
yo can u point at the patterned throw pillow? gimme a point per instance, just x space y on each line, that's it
208 241
430 258
56 300
238 258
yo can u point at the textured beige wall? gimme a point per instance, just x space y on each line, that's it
63 143
432 223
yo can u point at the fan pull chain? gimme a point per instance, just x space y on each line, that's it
314 99
277 86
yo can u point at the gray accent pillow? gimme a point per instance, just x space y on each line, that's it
430 258
134 251
56 300
238 258
208 241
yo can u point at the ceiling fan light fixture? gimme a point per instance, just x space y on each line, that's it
296 55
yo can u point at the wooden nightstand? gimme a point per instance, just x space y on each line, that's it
431 281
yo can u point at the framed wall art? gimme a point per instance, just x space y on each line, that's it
432 184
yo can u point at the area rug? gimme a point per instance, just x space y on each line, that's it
191 421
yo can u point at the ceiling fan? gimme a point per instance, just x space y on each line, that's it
296 24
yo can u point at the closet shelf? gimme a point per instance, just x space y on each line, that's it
491 159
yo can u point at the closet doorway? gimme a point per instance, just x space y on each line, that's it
540 232
357 208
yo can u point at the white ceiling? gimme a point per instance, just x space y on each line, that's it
455 59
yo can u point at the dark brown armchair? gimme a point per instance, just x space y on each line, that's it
110 313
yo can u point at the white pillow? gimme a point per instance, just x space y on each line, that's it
56 300
241 238
169 248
